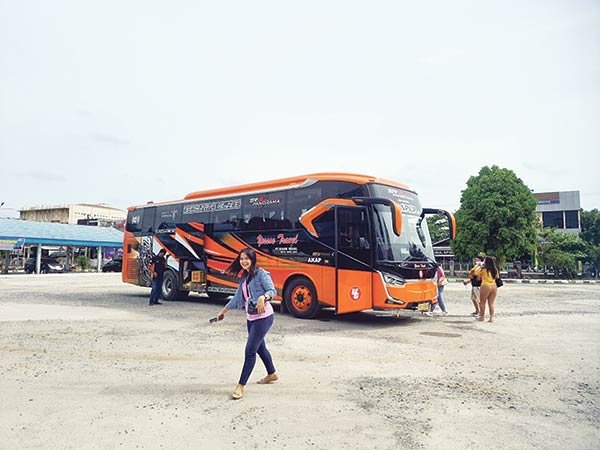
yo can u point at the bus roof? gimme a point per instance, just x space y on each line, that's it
293 182
282 184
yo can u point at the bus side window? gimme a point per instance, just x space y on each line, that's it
325 227
264 212
167 216
226 221
299 201
148 220
134 221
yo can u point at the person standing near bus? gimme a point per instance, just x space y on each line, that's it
442 281
489 272
254 292
157 269
475 280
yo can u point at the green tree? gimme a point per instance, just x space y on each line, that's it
496 216
561 250
590 226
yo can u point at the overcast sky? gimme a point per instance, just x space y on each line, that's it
122 102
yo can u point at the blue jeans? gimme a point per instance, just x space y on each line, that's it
440 299
257 330
155 292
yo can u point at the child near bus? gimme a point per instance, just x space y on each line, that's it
254 292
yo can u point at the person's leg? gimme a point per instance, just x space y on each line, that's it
441 298
153 291
264 353
483 295
491 299
267 360
257 330
159 283
475 296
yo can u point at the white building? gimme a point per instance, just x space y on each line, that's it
73 214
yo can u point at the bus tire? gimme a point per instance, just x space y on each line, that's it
169 289
300 297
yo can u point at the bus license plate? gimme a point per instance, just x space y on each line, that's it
423 307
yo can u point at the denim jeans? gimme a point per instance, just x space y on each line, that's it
155 292
257 330
440 299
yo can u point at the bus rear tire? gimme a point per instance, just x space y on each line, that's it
169 289
300 297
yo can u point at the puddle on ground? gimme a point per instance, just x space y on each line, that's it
440 334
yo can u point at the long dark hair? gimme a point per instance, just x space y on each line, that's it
235 267
490 266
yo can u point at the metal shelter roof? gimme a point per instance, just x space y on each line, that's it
59 234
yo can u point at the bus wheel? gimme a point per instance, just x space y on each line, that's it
300 298
169 287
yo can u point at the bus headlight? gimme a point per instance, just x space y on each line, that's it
393 279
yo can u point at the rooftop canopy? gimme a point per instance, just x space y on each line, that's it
33 233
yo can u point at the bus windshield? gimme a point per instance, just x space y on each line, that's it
414 243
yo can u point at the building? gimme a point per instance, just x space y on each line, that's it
559 210
29 238
83 214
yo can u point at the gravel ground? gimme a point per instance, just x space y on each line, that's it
86 364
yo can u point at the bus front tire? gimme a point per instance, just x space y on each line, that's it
300 298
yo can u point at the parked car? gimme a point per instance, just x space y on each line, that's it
47 265
114 265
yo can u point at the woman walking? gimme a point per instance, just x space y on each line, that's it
254 292
441 282
489 272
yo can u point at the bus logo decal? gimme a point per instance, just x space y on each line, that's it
281 239
355 293
224 205
264 201
261 240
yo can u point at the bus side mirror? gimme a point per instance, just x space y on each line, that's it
396 218
395 207
449 216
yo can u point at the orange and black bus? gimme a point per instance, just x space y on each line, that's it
346 241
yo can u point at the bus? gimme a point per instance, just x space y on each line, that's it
346 241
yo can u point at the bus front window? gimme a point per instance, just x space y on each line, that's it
414 243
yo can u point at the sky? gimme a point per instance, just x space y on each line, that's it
124 102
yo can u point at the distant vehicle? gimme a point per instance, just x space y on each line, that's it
113 265
48 265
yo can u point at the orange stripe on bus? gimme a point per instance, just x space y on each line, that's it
198 226
167 250
189 237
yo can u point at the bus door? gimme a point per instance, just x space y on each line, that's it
353 260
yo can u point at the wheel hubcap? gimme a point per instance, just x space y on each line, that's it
301 298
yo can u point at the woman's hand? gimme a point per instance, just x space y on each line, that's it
221 314
260 305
